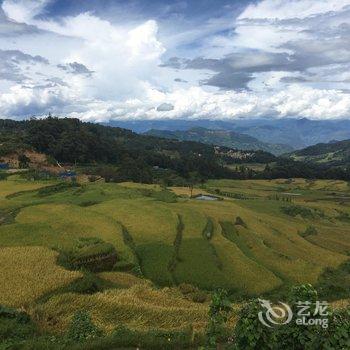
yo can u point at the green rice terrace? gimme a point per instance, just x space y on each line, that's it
149 257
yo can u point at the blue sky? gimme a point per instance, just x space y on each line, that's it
101 60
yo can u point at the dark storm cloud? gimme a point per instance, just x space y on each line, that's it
234 71
55 81
229 81
75 68
18 56
11 61
165 107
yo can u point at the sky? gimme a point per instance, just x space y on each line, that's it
102 60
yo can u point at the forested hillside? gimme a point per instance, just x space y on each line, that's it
336 153
118 154
222 137
136 156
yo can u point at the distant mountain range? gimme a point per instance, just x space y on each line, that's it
296 133
334 153
231 139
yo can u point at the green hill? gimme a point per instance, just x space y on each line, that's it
227 138
130 156
336 153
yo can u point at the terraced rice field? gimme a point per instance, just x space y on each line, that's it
249 245
28 273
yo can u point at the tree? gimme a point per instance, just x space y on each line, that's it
23 161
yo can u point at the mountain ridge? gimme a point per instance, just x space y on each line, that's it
295 132
220 137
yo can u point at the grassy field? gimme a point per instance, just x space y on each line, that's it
262 237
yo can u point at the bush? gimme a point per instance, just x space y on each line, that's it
15 326
334 284
199 297
310 231
208 230
306 213
123 265
9 312
193 293
23 161
92 254
251 334
187 288
88 284
338 332
61 187
239 221
4 175
82 328
219 311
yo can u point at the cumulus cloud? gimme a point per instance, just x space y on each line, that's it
196 103
275 58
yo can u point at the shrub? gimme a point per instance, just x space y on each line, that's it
3 175
23 161
310 231
208 230
88 284
199 296
334 283
187 288
61 187
307 213
82 328
239 221
15 326
219 311
251 334
9 312
93 178
338 332
123 265
92 254
193 293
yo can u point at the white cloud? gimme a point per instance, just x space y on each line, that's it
196 103
282 9
122 58
23 10
127 81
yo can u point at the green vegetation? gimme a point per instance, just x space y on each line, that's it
335 154
251 334
294 210
142 262
219 311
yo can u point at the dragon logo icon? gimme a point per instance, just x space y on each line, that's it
277 314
